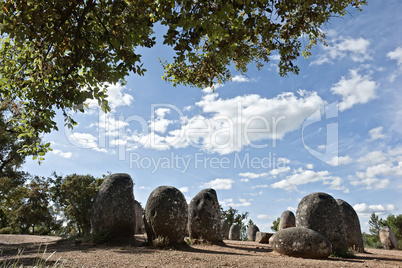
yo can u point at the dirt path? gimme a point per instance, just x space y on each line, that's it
228 254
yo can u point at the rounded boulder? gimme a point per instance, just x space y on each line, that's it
287 220
320 212
204 216
301 242
234 232
352 226
251 232
224 229
166 215
138 217
112 209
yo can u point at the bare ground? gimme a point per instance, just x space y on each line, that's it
227 254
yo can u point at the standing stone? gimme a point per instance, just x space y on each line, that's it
138 217
204 216
321 213
352 226
251 232
234 232
225 229
112 209
262 237
300 242
166 215
287 220
387 238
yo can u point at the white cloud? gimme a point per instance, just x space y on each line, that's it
373 158
85 140
396 55
340 160
310 166
116 97
240 79
160 123
145 188
187 108
301 177
184 189
376 133
260 186
219 184
241 202
62 154
355 49
227 125
264 217
355 89
363 208
251 175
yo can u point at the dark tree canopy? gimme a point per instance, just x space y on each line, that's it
56 54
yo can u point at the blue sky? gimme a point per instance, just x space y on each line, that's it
262 141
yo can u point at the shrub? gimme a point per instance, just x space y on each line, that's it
6 230
160 242
103 236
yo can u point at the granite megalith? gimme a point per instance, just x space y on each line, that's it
138 218
300 242
287 220
234 232
262 237
387 238
112 210
352 226
225 229
166 215
204 216
320 212
251 232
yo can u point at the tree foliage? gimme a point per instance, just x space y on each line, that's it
56 54
232 216
275 225
74 196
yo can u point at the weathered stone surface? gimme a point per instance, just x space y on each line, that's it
204 216
251 231
234 232
321 213
225 229
112 209
301 242
138 218
387 238
287 220
262 237
166 215
352 226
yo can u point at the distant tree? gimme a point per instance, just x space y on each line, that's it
375 224
56 54
233 216
74 196
34 213
275 225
